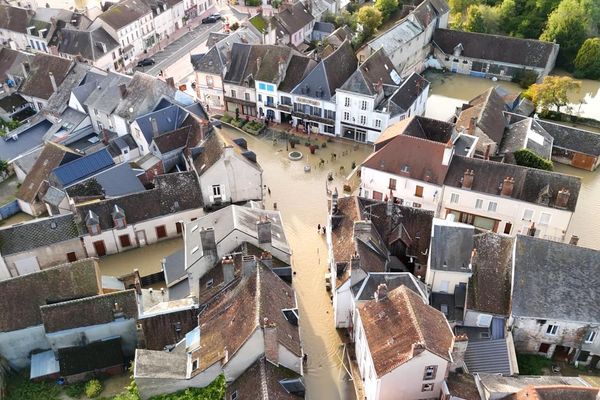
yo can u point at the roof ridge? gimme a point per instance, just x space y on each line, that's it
411 314
263 380
257 292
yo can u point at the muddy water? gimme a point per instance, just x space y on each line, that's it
146 259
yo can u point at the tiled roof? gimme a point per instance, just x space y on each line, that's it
555 393
232 317
52 156
173 140
81 168
571 138
531 185
528 52
400 327
143 92
273 64
402 156
88 44
8 57
298 68
38 83
211 152
22 297
88 311
37 233
14 18
377 68
172 193
124 13
555 280
490 284
294 18
417 126
261 382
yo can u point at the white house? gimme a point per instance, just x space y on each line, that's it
135 220
548 316
375 97
508 198
408 42
227 174
403 346
397 170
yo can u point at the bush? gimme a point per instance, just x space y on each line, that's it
93 388
253 127
20 387
235 26
525 78
75 390
226 118
528 158
532 364
253 3
238 123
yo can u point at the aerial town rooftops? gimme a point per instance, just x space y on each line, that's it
294 17
142 93
399 325
124 13
81 168
571 138
526 133
549 189
375 70
91 45
22 296
510 50
14 19
451 246
556 281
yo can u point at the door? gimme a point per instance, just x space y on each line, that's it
507 228
125 240
100 248
141 237
161 232
27 265
71 257
179 227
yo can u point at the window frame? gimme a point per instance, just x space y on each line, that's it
454 198
494 208
591 336
430 376
479 204
552 329
427 387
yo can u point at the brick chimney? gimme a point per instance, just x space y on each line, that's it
472 126
123 90
381 292
562 198
507 186
248 265
267 259
334 202
228 269
208 242
263 228
467 181
354 261
574 240
531 230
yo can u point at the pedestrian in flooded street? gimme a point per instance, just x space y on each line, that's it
323 229
269 190
319 228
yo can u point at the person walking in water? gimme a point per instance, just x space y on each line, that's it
318 228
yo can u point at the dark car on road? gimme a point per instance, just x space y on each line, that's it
211 19
145 62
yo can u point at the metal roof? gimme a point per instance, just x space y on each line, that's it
83 167
488 356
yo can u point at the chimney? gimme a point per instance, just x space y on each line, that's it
154 124
207 241
258 61
228 269
389 206
488 150
507 186
53 82
170 81
472 126
562 198
362 230
574 240
281 68
531 230
334 202
248 265
467 181
123 90
267 259
263 228
354 261
381 292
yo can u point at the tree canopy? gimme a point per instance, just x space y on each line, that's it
587 62
370 19
386 7
552 92
567 26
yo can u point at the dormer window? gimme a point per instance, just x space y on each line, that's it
291 314
194 365
92 223
118 216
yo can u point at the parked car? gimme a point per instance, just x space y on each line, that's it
216 122
211 19
145 62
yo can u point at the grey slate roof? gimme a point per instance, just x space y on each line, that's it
239 60
174 267
172 193
143 92
294 18
397 36
298 68
124 13
28 138
326 27
106 95
59 101
529 52
366 289
555 280
451 246
571 138
531 185
14 18
167 119
86 43
526 133
118 180
378 67
488 356
408 92
54 196
37 233
209 63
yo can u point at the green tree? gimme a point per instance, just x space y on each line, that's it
386 7
552 92
567 25
474 21
4 167
587 62
528 158
482 18
591 8
370 19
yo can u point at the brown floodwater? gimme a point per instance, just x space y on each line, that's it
302 199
